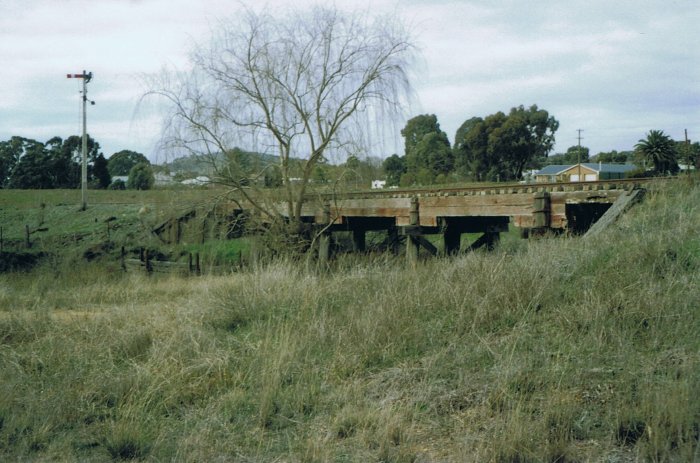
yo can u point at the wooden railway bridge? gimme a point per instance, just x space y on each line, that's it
411 215
534 208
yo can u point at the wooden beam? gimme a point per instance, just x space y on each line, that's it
426 244
393 240
487 239
541 210
412 242
619 207
324 241
452 238
358 240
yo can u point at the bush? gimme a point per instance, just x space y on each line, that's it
118 184
141 177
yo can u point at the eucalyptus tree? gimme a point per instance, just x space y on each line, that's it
29 161
297 85
574 155
500 146
11 151
65 159
121 162
100 172
427 148
527 133
394 166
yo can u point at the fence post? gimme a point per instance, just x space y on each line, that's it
199 269
26 236
123 259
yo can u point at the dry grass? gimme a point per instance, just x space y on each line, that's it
553 350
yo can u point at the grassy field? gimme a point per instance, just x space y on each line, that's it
555 350
113 219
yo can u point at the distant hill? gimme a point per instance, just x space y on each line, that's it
195 164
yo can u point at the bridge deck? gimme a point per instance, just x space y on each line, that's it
516 202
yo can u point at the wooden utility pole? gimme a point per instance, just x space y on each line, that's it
687 153
579 154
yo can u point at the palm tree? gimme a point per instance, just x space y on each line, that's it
660 149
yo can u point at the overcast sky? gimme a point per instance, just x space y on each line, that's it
614 68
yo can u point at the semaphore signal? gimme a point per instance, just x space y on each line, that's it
87 77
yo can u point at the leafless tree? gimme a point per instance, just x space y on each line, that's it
295 85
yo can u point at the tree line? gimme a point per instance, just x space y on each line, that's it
500 147
486 150
29 164
497 147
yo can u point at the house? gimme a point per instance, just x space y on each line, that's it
163 179
378 184
198 181
586 172
529 176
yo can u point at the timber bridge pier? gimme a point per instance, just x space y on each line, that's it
534 208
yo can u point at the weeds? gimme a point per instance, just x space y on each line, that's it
128 440
549 350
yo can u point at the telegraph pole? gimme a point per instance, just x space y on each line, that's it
86 76
687 153
579 154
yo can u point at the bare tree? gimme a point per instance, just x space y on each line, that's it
295 86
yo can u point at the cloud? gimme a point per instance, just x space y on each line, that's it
615 69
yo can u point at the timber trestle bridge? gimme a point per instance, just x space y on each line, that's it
410 216
533 208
